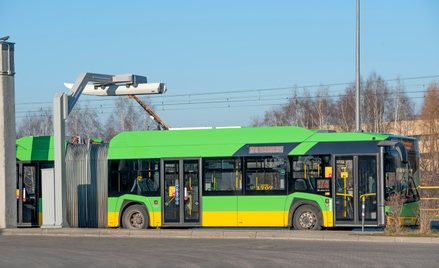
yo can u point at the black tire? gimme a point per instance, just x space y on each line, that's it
307 218
135 217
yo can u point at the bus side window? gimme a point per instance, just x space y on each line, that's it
305 170
300 185
222 176
266 175
121 177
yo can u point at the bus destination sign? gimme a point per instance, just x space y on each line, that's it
265 149
323 185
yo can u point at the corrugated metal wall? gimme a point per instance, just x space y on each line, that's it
87 185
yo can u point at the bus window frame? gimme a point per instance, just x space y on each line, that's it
266 192
222 192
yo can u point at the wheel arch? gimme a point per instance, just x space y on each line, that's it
128 203
298 202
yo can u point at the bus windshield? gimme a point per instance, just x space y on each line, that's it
402 179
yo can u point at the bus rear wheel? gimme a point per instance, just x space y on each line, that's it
135 217
306 218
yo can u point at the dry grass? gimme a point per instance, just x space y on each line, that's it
429 205
395 203
409 233
424 221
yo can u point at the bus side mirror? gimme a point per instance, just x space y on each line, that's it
399 147
402 152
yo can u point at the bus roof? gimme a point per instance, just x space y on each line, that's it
221 142
35 148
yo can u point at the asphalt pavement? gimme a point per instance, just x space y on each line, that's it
220 233
110 251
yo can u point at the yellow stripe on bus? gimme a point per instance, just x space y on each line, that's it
245 218
328 218
155 219
220 218
261 218
113 219
230 219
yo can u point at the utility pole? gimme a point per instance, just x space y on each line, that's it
8 176
357 77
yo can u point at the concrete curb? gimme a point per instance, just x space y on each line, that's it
217 234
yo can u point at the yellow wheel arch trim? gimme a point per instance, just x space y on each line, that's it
155 219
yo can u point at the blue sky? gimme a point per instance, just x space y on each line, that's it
217 46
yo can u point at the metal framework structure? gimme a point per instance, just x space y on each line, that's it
63 104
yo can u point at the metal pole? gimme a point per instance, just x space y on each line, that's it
362 216
59 107
357 77
8 175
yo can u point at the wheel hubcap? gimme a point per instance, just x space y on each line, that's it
136 220
307 220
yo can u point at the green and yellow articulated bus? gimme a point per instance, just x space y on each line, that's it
258 177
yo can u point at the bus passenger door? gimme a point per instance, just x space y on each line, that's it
345 201
367 188
27 194
181 192
355 178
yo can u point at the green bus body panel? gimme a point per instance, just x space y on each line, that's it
220 142
227 203
35 148
302 148
112 203
409 209
115 203
313 197
219 203
346 136
262 203
198 142
40 205
253 203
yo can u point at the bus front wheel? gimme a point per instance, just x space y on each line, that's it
135 217
306 218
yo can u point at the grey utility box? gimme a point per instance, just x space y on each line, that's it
48 197
7 58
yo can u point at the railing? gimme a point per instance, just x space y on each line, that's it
429 198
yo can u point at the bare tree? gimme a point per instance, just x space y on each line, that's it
91 124
36 124
111 128
322 106
75 122
127 116
345 109
380 111
430 125
307 111
375 99
401 111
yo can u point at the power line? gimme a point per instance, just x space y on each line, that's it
229 100
219 100
209 107
255 90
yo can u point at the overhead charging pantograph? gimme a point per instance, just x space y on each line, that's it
63 104
128 84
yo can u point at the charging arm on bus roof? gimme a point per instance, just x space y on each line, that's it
399 147
98 80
